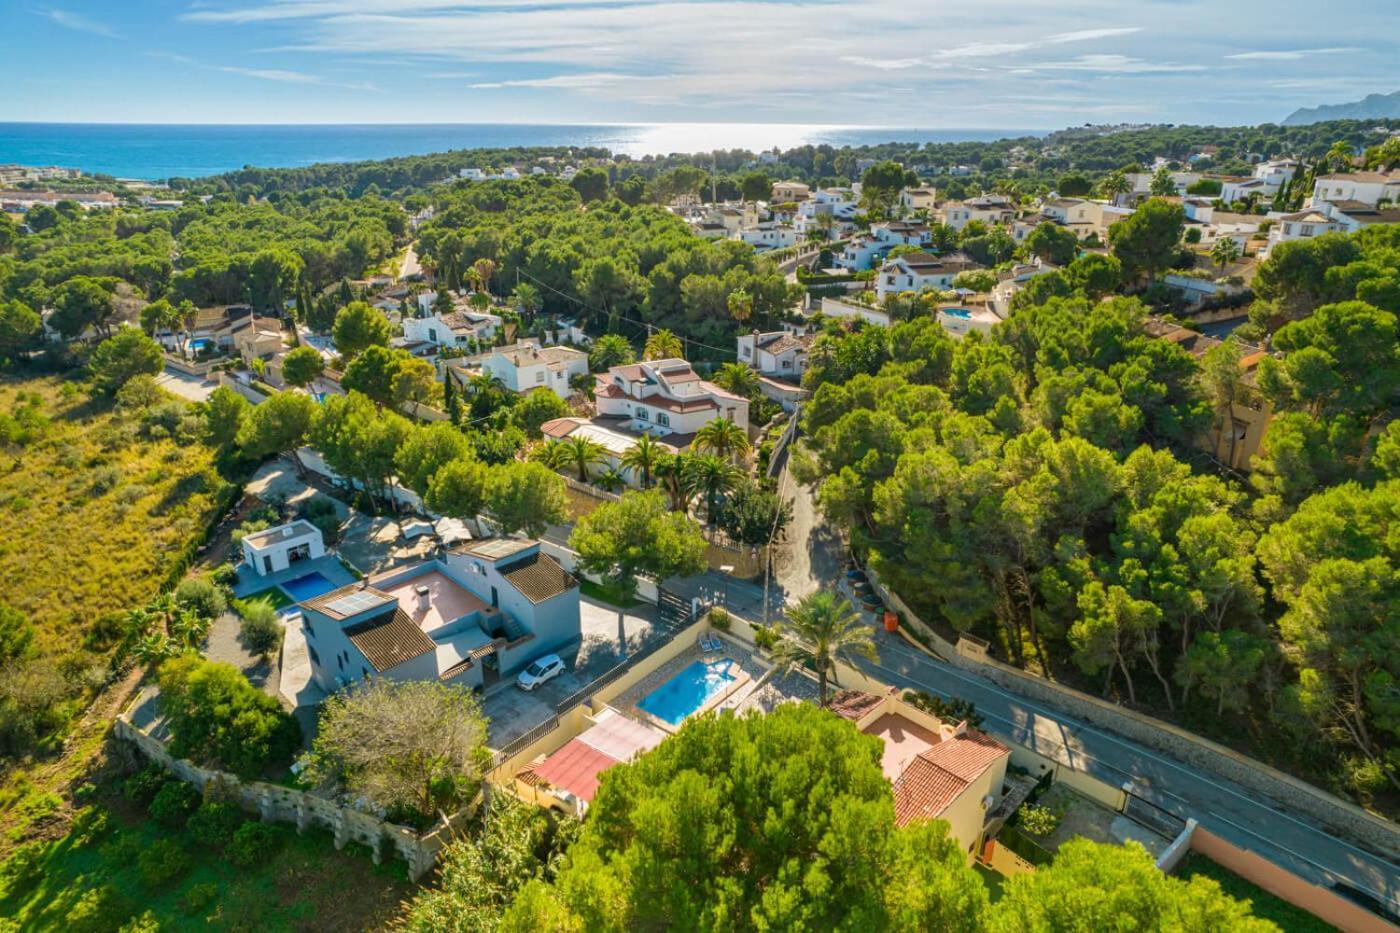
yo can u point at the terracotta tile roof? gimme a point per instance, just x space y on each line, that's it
924 791
966 755
538 577
390 639
575 768
853 704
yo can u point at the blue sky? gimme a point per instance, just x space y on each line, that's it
911 63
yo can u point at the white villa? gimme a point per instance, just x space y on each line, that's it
526 366
780 353
452 330
665 397
915 272
916 199
1370 188
275 549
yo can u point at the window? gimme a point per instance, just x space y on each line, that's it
432 334
787 364
539 376
340 661
642 414
663 419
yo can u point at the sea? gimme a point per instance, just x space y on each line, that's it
155 152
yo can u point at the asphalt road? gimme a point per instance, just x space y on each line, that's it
815 561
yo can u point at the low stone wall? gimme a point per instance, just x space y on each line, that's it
1336 815
188 367
275 803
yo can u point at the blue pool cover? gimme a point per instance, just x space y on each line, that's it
689 690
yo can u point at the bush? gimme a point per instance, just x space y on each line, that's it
142 787
21 870
201 596
217 718
252 843
260 630
99 910
214 823
1038 820
174 804
719 618
321 512
162 862
765 638
199 897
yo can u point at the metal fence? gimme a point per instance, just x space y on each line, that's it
1152 816
515 745
1023 845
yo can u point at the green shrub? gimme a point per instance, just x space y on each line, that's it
21 870
217 718
765 638
201 596
719 618
146 923
89 825
162 862
198 898
253 843
260 630
214 823
142 787
174 803
100 910
1038 820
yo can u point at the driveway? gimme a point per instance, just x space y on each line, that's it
223 644
193 388
812 554
513 712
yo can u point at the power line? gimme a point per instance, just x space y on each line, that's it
621 317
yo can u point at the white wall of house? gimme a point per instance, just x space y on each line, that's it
276 549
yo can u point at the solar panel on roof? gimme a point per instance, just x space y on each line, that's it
353 603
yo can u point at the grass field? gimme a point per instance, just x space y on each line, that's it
93 515
90 879
1289 918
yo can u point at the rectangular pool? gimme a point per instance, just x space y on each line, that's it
307 587
689 690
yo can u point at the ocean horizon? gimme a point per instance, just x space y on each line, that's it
161 151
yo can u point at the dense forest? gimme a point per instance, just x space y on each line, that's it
1040 488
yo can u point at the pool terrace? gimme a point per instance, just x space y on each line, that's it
741 696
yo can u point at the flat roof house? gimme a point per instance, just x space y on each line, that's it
914 272
481 612
778 353
275 549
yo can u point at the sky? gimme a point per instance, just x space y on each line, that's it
902 63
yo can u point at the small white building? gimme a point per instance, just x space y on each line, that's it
525 366
918 199
901 233
275 549
769 235
785 191
1302 225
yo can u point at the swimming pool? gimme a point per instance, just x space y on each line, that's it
689 690
307 587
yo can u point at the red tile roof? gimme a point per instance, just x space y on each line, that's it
924 791
966 755
575 768
852 704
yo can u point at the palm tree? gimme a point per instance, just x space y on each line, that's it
581 453
610 480
662 345
740 304
481 272
739 379
723 438
819 631
643 457
670 471
554 456
526 299
1225 251
710 477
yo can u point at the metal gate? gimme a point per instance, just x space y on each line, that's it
1152 816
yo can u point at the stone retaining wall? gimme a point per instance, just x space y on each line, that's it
273 802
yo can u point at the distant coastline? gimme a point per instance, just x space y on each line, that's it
149 151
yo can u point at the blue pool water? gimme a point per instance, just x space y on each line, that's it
200 343
689 690
307 587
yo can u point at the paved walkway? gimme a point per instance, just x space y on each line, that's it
812 553
193 388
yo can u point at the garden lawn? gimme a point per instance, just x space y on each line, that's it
1266 906
606 593
273 595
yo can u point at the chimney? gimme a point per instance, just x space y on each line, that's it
425 601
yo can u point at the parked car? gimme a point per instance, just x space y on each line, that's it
540 671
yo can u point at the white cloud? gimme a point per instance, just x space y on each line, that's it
565 81
284 76
1085 35
79 23
1289 55
1115 64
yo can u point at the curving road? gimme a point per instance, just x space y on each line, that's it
813 559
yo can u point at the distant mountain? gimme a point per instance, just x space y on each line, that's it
1373 107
